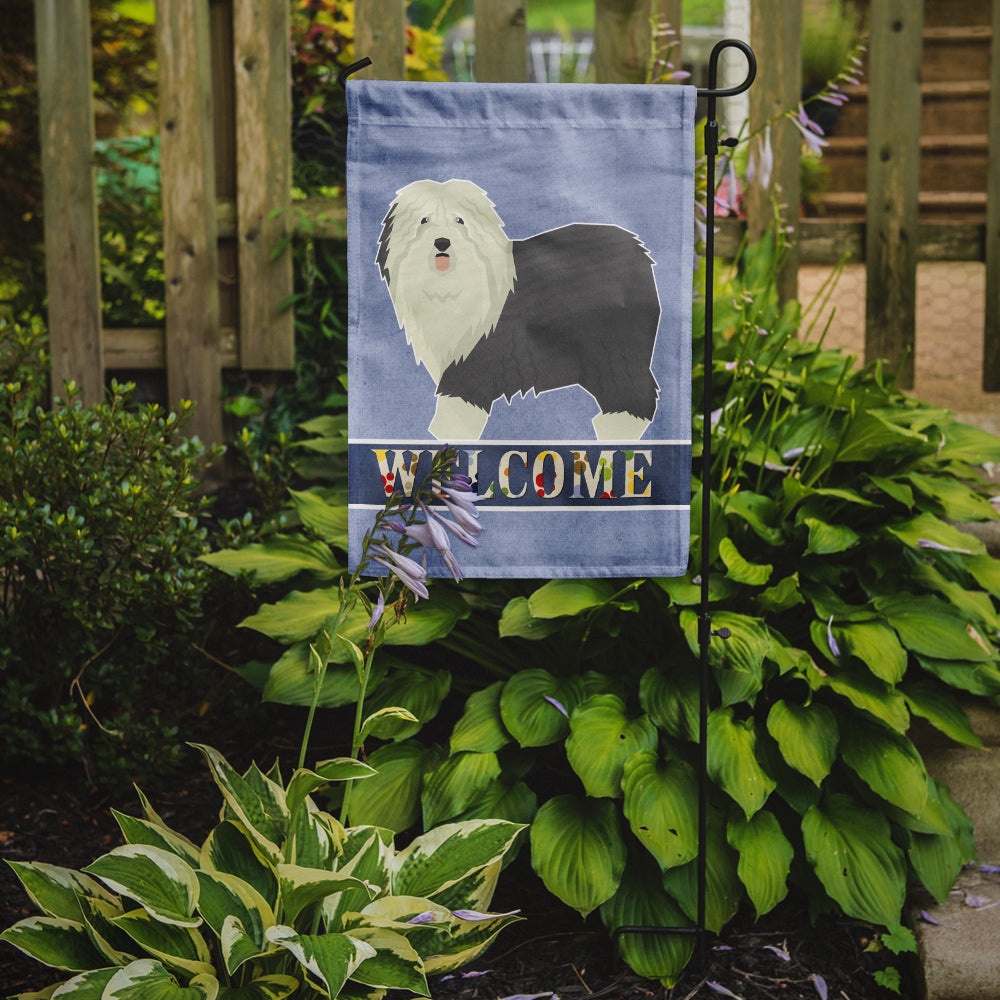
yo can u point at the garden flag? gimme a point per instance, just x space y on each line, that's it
520 262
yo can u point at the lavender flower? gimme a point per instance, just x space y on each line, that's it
811 132
834 648
377 612
411 574
761 163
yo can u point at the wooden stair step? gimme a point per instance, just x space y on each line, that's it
952 204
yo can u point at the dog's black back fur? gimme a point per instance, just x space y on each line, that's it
584 311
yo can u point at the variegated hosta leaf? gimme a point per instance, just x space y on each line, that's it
476 890
300 887
441 857
732 760
177 947
578 851
395 964
765 858
159 881
304 782
141 831
315 838
147 979
723 889
466 941
366 855
86 986
602 737
535 706
98 915
456 784
807 736
274 987
481 727
391 799
888 763
54 941
230 849
225 897
642 902
850 847
329 959
256 801
661 799
56 891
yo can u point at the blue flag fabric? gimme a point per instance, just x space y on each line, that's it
520 261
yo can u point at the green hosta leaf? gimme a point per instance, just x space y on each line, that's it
180 948
928 528
865 692
888 763
230 849
850 847
661 798
330 959
301 887
827 539
683 591
807 736
932 628
225 897
869 436
279 558
738 661
739 569
876 646
141 831
641 901
327 520
515 803
758 511
558 598
578 851
528 710
56 891
893 488
147 979
438 859
415 689
481 728
937 859
391 798
261 809
976 605
723 889
986 571
965 443
976 678
783 595
732 760
941 709
160 882
957 501
765 858
292 681
517 620
275 987
54 941
395 964
304 782
456 784
671 699
602 738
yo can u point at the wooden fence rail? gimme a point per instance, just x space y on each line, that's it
226 159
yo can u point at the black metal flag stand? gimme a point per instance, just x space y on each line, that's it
705 631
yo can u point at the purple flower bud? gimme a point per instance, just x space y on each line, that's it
927 543
558 705
377 611
427 917
820 983
834 648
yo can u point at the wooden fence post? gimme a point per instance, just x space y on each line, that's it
262 61
776 35
380 34
893 183
190 251
501 37
991 332
72 255
621 40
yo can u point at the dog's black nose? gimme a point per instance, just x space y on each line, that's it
442 244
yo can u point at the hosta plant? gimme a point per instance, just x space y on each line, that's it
279 900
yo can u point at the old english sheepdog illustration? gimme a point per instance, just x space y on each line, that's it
490 317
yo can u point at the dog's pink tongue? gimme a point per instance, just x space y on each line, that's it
442 262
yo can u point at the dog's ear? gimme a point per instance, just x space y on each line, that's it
383 243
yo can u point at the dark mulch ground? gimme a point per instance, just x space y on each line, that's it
551 951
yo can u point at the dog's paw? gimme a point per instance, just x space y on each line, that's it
619 426
457 420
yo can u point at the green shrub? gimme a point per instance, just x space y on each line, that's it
854 605
280 899
99 541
